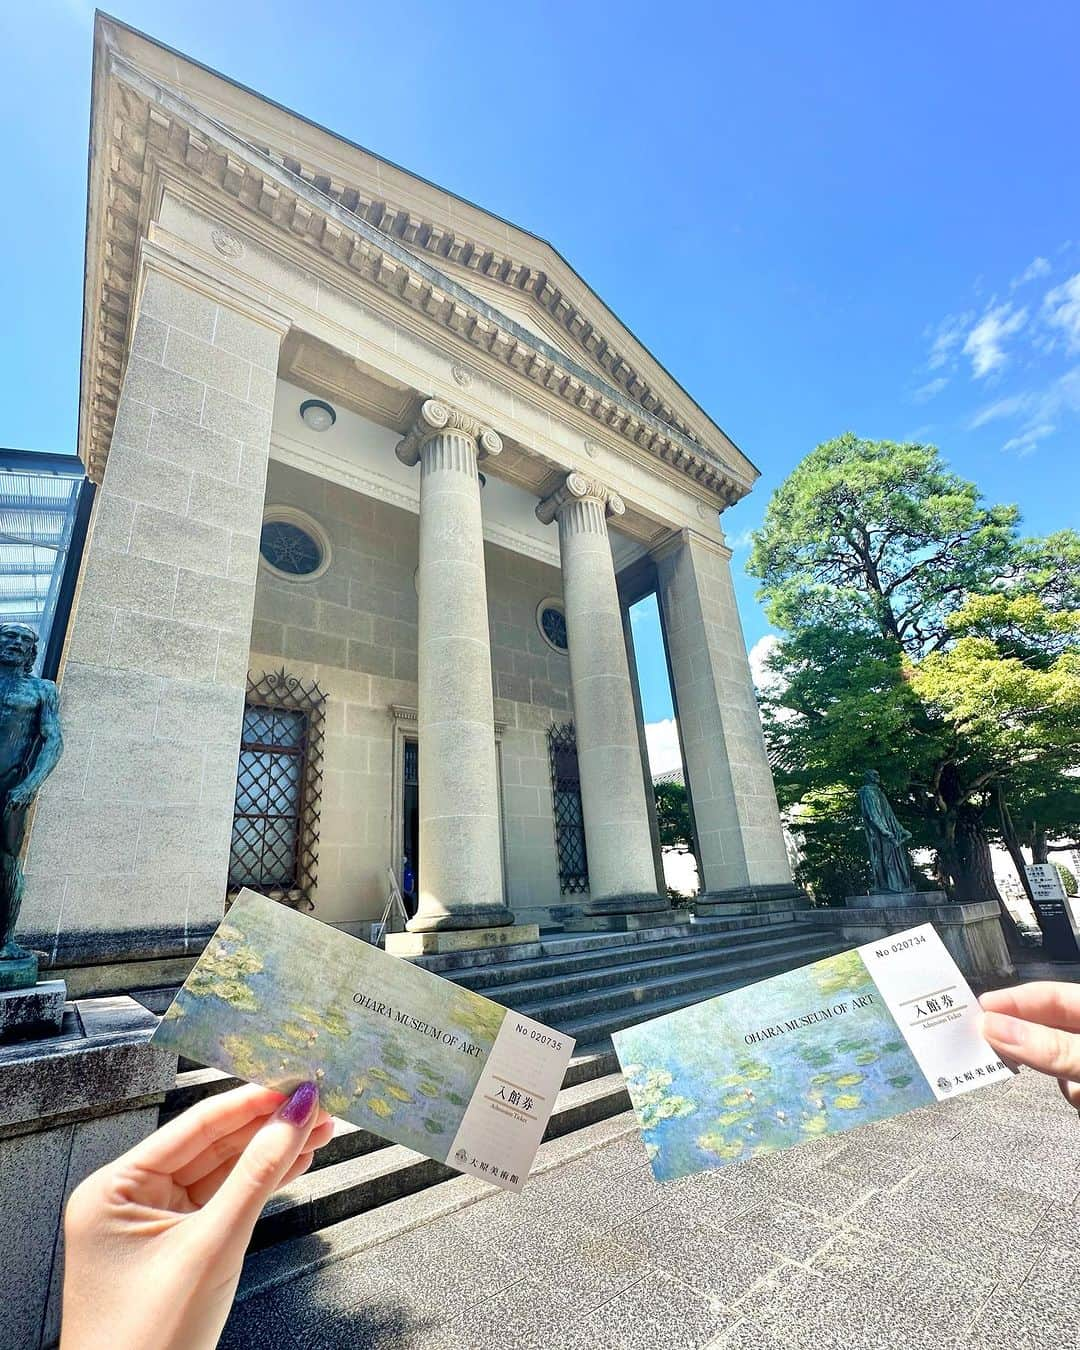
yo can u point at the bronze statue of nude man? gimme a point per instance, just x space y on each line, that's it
30 747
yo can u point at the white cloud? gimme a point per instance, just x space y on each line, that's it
1026 443
985 343
930 388
946 338
765 680
662 740
1038 267
1061 308
740 539
1002 407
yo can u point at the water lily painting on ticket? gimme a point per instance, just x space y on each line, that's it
279 999
801 1055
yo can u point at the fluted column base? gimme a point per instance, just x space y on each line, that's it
459 914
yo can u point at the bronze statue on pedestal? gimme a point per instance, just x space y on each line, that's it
30 747
886 838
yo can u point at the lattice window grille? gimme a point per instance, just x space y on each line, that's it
569 821
275 835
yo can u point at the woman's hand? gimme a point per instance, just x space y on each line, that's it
1039 1025
155 1240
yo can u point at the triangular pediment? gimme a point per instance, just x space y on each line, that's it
510 269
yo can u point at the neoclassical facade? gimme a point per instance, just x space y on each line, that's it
379 477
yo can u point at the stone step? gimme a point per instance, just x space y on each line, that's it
451 963
641 987
604 974
486 978
277 1264
597 1028
338 1191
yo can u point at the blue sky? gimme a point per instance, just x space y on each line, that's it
819 218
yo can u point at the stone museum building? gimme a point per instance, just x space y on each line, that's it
372 481
378 478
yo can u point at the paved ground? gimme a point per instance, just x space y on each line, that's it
953 1226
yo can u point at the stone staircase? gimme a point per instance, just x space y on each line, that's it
587 985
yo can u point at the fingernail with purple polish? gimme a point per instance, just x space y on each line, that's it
300 1106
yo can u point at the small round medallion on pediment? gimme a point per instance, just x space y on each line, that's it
705 512
461 376
226 243
592 449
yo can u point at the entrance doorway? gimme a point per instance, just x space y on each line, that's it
410 826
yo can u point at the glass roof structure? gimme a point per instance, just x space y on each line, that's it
44 501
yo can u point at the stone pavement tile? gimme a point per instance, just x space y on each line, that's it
602 1202
590 1270
1010 1323
526 1316
784 1228
658 1311
827 1192
722 1192
1060 1227
440 1271
861 1255
806 1311
960 1202
255 1322
622 1156
712 1262
355 1298
745 1335
1028 1160
981 1249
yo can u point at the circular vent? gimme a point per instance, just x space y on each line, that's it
551 620
292 545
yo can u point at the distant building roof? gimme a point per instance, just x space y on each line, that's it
668 776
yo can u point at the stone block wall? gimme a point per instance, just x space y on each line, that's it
129 846
354 630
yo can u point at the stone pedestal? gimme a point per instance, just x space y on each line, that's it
442 940
34 1012
618 839
70 1103
767 904
896 900
971 932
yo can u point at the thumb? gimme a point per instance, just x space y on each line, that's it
264 1163
1045 1048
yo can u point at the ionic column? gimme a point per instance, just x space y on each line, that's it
460 851
622 875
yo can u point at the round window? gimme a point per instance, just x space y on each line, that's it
292 545
551 620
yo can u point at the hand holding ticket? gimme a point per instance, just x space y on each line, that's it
281 999
855 1038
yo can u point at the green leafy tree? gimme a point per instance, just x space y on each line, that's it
673 817
925 638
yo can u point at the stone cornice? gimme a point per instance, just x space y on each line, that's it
434 417
576 487
152 124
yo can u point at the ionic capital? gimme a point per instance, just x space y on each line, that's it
436 417
576 487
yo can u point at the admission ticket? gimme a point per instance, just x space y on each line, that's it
279 999
857 1037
